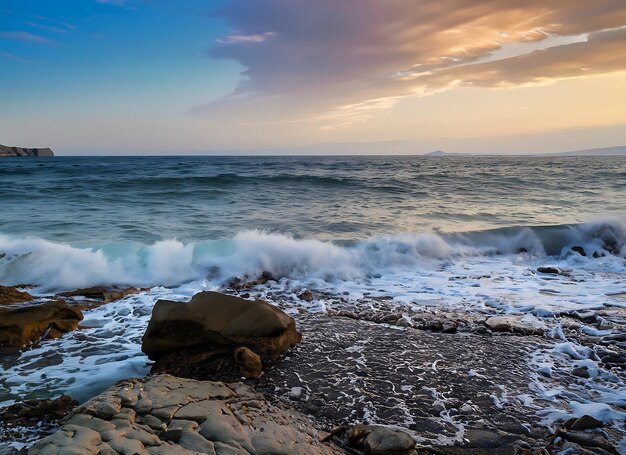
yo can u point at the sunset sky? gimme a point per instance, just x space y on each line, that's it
303 76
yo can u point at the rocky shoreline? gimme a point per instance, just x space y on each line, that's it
13 152
363 377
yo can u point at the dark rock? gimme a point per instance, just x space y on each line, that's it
24 324
580 250
549 270
588 440
212 319
27 411
585 422
307 296
581 372
10 294
378 440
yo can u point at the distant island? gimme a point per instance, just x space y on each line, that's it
606 151
11 152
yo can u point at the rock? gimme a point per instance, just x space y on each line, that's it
10 294
516 324
580 250
234 420
307 296
7 151
581 372
550 270
586 422
379 440
31 412
100 294
249 363
25 324
212 319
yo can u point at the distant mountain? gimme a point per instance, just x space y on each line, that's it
442 153
9 152
606 151
620 150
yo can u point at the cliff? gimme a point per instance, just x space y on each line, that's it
6 151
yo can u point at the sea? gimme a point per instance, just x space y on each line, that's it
400 227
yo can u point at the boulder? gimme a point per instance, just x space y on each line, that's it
20 325
212 319
516 324
10 294
249 363
379 440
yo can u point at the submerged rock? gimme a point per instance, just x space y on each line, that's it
212 320
99 295
168 415
20 325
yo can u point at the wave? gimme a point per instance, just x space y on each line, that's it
57 266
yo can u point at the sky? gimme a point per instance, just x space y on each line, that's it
302 76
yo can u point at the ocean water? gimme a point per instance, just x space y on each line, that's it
170 220
453 232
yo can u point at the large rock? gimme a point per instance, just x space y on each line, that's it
22 324
168 415
11 294
212 319
379 440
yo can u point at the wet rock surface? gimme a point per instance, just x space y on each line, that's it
28 323
30 420
12 294
167 415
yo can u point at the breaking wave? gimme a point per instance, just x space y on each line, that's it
56 266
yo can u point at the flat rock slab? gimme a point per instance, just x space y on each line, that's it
442 387
168 415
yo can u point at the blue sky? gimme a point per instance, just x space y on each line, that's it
220 76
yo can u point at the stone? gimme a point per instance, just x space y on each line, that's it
101 294
307 296
249 363
586 422
212 319
515 324
128 447
581 372
20 325
29 411
580 250
550 270
235 420
379 440
11 294
191 440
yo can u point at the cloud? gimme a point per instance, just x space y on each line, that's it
25 36
235 38
51 25
15 58
346 60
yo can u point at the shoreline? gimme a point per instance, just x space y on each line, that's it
452 356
